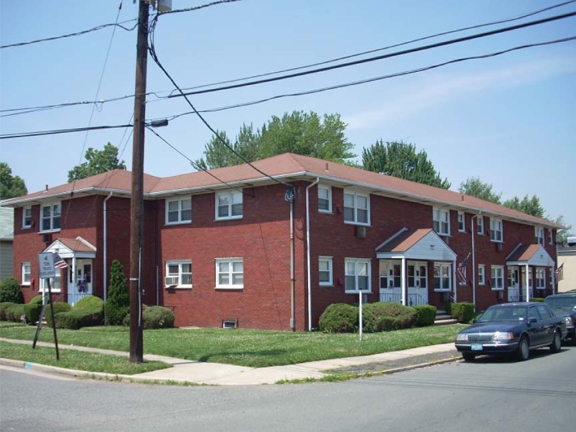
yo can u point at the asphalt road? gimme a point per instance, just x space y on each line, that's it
487 395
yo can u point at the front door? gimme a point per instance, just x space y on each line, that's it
81 283
513 284
417 283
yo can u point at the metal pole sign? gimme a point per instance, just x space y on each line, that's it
47 271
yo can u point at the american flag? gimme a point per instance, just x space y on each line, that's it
560 272
59 263
461 271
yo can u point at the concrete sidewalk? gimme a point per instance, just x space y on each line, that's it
187 371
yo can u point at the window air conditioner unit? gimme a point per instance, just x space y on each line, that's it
361 231
171 281
499 247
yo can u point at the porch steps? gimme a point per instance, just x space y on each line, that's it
442 318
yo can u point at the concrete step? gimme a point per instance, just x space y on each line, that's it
445 321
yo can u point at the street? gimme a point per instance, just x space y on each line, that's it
486 395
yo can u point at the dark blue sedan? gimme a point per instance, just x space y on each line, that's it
512 328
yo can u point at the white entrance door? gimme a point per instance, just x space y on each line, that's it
81 284
513 284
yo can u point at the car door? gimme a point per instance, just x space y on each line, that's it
547 324
535 329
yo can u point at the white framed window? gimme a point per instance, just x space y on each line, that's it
229 205
26 270
540 278
389 273
480 225
497 277
325 271
324 199
442 277
441 218
417 275
550 237
230 273
357 275
356 208
54 283
481 274
539 235
178 210
461 222
496 232
178 274
50 217
26 217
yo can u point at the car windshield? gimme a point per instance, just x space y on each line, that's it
561 302
506 313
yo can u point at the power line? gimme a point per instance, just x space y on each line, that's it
195 8
383 56
154 56
379 78
526 15
59 131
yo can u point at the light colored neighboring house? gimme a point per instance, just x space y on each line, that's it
567 259
6 242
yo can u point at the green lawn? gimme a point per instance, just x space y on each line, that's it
254 348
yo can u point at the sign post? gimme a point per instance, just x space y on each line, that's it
47 271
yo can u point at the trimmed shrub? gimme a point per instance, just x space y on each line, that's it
11 311
391 316
426 315
88 312
339 318
59 307
4 306
463 312
156 317
118 301
10 291
537 299
448 308
32 309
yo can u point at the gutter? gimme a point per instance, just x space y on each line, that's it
308 253
105 254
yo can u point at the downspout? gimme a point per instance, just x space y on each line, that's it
105 254
290 197
308 253
474 228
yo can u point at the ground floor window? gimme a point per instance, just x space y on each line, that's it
230 273
390 274
540 278
481 274
54 283
325 271
179 273
417 275
442 276
25 273
357 275
497 277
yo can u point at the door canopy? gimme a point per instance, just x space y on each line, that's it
416 244
532 255
72 248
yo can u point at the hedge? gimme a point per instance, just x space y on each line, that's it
88 312
390 316
59 307
33 308
10 291
11 311
339 318
537 299
426 315
463 312
156 317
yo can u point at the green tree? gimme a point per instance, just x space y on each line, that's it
401 160
301 133
118 300
477 188
97 162
563 234
10 186
527 205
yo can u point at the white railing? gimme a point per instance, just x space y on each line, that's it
412 299
74 298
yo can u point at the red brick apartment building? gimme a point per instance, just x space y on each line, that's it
235 246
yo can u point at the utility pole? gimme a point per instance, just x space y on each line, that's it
137 201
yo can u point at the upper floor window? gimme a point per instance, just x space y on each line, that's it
324 199
441 218
179 273
442 276
356 208
229 205
480 225
461 222
496 230
230 273
497 277
26 217
539 235
357 275
51 214
179 210
26 273
550 237
325 271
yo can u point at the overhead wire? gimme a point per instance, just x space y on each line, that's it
195 8
59 131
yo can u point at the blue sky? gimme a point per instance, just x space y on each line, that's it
510 120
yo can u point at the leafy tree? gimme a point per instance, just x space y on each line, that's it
563 234
10 291
118 300
401 160
10 186
97 162
301 133
527 205
477 188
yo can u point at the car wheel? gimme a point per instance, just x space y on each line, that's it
469 356
573 338
523 351
556 344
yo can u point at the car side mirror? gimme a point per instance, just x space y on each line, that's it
532 320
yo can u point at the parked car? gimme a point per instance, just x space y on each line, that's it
564 305
512 328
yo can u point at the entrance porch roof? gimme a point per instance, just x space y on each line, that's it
72 248
417 244
533 255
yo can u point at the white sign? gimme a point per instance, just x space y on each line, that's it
46 265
